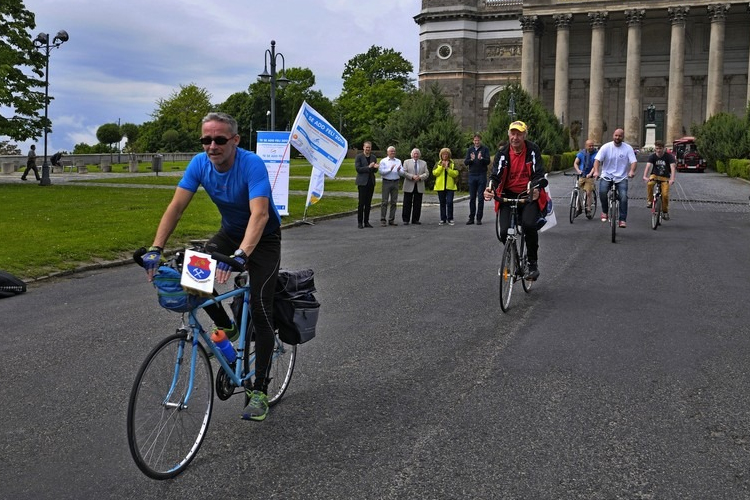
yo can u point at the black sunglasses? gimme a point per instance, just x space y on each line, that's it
219 140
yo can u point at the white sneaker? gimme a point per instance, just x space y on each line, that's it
450 222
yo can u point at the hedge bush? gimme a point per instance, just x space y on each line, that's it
739 168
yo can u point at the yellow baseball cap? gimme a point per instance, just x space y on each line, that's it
518 125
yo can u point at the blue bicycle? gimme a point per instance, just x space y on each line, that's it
172 396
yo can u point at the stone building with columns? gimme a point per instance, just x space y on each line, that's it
600 62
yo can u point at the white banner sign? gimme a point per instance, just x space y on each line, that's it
273 148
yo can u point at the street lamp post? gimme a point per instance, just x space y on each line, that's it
269 58
41 42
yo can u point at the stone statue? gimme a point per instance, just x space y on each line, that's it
651 113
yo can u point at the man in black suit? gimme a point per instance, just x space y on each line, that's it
366 165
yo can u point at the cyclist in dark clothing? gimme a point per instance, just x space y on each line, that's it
517 166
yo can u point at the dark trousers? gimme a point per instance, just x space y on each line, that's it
477 185
412 206
446 204
365 202
31 166
529 213
263 265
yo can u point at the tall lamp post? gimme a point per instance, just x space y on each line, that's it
269 58
41 42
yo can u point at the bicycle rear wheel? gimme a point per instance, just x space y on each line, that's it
507 273
614 214
573 204
165 430
592 211
282 367
280 373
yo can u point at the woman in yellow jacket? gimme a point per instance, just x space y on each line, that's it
445 173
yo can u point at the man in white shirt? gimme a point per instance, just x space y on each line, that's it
390 171
611 165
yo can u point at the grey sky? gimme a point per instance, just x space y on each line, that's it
123 56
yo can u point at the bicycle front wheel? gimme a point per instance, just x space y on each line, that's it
498 231
507 273
656 214
614 214
167 416
573 204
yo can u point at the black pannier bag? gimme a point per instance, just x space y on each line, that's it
295 309
10 285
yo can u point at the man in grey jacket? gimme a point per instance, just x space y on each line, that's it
415 173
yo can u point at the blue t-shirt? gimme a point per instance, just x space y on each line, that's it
586 161
232 191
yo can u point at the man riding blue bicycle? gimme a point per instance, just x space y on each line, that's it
517 166
584 166
236 180
611 165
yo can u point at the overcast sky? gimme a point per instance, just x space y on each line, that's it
124 55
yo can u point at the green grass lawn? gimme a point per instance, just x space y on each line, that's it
61 227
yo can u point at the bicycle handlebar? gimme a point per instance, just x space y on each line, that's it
138 255
220 257
226 259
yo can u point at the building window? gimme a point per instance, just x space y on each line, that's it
445 51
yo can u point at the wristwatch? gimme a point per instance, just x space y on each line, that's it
240 253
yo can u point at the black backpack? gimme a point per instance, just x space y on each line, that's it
10 285
295 309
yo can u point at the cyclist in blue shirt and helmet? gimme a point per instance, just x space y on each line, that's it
237 181
584 166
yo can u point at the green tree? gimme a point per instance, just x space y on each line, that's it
723 137
20 102
130 131
182 111
239 106
6 148
170 138
375 83
299 90
544 128
108 134
423 120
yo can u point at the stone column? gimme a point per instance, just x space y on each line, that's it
632 125
562 22
598 22
717 14
676 96
528 52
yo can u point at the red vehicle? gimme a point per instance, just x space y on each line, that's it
686 154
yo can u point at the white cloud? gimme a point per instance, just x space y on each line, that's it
124 56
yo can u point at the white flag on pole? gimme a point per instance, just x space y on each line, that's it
323 146
315 191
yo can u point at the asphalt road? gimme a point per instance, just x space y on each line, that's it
622 375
